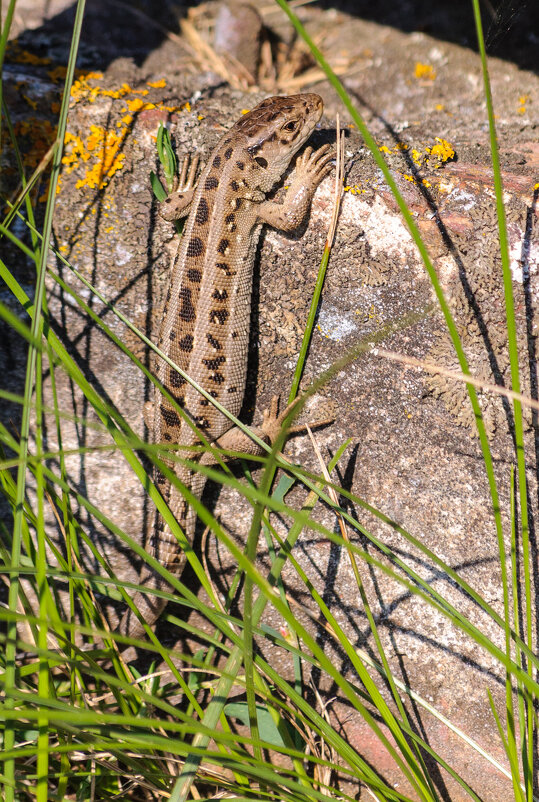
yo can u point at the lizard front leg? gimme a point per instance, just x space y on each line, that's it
311 168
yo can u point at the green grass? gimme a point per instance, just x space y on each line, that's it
80 724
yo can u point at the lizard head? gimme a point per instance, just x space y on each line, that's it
276 129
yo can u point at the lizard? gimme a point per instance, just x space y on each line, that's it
206 318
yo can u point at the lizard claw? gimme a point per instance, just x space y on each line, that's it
188 172
178 202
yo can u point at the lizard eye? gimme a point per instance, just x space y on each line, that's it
261 161
291 126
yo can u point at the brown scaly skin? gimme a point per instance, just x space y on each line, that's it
206 318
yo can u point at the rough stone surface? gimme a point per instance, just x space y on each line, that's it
411 454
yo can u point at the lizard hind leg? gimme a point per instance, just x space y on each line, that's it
273 420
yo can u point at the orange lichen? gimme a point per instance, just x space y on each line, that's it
442 152
36 135
101 149
354 190
16 54
57 74
157 84
424 71
523 99
32 103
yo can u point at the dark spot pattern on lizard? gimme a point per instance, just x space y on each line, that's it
195 247
176 379
214 342
202 214
220 295
217 162
223 246
224 266
194 275
232 389
186 310
214 363
240 165
170 417
186 343
172 335
219 316
228 153
211 183
216 377
234 186
229 220
234 335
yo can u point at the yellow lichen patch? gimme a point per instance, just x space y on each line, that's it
384 149
57 74
139 105
16 54
81 89
157 84
439 107
36 136
101 150
523 99
440 153
354 189
424 72
32 103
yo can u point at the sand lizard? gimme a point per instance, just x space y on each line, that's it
206 319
